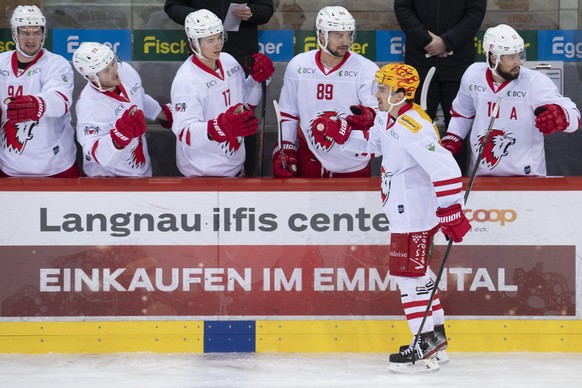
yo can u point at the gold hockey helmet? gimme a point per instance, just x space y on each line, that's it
399 76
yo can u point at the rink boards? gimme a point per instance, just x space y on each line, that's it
263 265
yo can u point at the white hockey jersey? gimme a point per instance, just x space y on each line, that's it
515 146
97 113
198 95
418 174
310 90
45 147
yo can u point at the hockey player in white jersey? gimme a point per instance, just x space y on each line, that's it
531 108
320 88
111 112
213 102
421 193
36 88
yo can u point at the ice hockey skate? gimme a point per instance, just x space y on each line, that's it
424 353
441 343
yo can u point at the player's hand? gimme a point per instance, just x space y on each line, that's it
452 142
551 118
362 118
24 108
453 222
130 125
331 128
236 121
262 68
167 112
285 163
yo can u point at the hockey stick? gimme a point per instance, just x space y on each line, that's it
261 134
280 134
450 244
425 86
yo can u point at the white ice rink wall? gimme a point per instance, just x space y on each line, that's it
214 265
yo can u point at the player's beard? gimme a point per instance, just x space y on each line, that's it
337 53
508 76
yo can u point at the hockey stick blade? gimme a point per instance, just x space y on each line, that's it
494 113
425 86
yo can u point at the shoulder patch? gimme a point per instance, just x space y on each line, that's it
408 122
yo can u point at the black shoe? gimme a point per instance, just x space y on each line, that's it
424 355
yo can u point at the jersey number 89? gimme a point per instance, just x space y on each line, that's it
324 91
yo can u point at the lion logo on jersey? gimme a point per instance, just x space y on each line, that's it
496 148
384 185
137 155
317 135
16 135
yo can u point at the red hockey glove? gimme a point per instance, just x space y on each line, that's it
130 125
551 118
262 68
452 143
453 222
236 121
362 118
25 108
166 108
285 163
332 129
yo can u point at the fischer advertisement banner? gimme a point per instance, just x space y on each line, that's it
277 253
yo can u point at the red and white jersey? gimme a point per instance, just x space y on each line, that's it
45 147
515 146
97 113
199 94
418 174
311 90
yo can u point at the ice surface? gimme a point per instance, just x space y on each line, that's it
278 370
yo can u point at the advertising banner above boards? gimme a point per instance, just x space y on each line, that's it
273 248
376 45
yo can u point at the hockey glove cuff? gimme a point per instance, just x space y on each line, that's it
453 222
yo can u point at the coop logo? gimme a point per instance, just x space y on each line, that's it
66 42
503 216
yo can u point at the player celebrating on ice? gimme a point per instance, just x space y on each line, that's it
213 102
531 107
319 89
111 112
36 88
421 193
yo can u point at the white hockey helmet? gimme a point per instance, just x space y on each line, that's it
201 24
333 18
27 16
91 58
502 40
